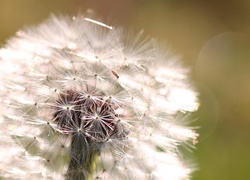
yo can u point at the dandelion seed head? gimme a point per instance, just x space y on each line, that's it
84 99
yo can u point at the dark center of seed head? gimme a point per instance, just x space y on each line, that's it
83 116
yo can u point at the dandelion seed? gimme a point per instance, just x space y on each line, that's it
98 23
83 100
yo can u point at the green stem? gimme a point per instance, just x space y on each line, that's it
83 158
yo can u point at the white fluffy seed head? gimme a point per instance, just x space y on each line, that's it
80 77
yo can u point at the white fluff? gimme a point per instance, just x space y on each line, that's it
147 86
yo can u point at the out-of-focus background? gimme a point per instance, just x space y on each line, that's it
213 38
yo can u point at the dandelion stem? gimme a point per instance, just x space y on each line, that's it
84 156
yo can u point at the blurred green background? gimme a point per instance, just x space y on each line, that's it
213 38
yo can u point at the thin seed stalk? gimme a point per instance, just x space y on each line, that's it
93 163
